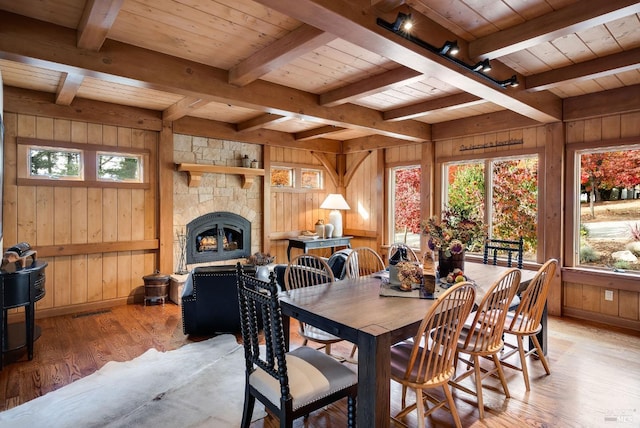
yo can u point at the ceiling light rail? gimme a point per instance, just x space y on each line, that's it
402 26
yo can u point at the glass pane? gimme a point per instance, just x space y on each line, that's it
609 233
311 178
54 163
514 202
282 177
405 200
118 167
466 192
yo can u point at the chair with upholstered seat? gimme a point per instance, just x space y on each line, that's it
306 270
427 362
400 246
482 337
363 261
525 321
290 384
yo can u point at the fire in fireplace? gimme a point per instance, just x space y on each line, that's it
218 236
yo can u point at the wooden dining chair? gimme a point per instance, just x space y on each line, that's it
427 362
482 337
525 321
363 261
306 270
290 384
512 249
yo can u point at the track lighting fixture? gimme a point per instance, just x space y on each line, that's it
403 23
450 48
483 66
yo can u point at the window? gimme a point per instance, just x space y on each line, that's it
297 177
49 162
119 167
311 178
282 177
404 193
510 200
68 164
608 192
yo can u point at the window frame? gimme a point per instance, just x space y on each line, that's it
390 198
89 153
487 158
297 169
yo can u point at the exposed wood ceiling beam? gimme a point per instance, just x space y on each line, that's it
312 134
68 88
424 108
358 26
261 121
96 21
297 43
29 41
579 16
483 124
387 5
210 128
183 108
614 101
599 67
379 83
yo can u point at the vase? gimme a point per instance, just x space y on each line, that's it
446 265
262 273
328 230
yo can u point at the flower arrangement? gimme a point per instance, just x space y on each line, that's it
454 233
409 273
260 259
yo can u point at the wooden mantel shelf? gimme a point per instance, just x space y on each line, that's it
195 171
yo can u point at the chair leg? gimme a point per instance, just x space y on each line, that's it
353 351
523 363
351 412
247 411
420 408
503 380
452 406
545 363
477 374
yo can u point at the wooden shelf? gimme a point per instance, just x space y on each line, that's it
195 171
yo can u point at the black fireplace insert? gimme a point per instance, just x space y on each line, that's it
218 236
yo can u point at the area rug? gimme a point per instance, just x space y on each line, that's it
198 385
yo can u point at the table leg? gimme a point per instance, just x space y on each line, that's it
286 330
374 366
542 336
289 252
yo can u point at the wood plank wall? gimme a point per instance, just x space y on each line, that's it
294 210
82 230
583 293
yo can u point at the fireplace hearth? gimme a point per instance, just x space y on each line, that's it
218 236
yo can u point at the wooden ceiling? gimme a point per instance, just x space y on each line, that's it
321 70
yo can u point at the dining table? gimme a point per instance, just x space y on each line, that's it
354 310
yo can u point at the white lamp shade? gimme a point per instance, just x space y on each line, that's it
335 202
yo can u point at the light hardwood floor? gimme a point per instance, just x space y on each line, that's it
595 379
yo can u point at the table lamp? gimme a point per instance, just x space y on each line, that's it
335 202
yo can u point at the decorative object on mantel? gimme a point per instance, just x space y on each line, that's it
335 202
246 162
451 236
254 164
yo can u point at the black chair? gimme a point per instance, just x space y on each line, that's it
290 384
495 247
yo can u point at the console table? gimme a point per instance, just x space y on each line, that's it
306 244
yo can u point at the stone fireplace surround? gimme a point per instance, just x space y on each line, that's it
216 192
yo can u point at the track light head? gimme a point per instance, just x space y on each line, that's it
403 22
449 48
513 82
483 66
